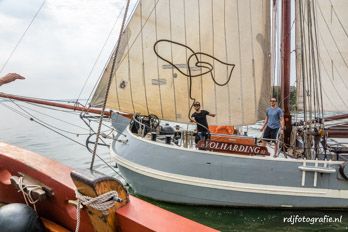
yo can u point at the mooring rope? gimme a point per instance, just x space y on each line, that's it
102 203
28 198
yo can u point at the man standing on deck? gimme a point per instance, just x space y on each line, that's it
9 78
200 117
273 122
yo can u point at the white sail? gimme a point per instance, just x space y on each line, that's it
329 20
231 31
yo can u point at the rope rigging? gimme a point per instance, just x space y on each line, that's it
25 114
95 62
330 49
109 83
337 47
22 36
198 63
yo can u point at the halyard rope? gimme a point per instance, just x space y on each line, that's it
109 84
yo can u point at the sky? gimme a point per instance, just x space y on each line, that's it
58 51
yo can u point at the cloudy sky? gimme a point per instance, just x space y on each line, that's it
58 51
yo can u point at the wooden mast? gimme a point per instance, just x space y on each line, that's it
285 74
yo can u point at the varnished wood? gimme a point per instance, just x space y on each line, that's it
62 105
95 184
53 227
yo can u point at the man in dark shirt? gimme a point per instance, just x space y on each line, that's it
200 118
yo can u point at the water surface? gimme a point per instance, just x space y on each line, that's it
22 132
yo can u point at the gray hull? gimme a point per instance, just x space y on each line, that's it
169 173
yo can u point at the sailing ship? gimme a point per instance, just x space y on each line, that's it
225 55
58 198
222 54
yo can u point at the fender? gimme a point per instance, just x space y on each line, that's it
341 170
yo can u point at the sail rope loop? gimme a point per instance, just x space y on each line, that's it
102 203
198 63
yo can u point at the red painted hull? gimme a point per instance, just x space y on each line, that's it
138 215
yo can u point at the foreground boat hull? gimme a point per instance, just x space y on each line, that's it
173 174
137 215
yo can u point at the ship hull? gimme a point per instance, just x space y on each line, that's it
59 208
173 174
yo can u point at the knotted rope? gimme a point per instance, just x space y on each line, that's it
102 203
27 195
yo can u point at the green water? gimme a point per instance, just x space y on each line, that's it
259 219
25 133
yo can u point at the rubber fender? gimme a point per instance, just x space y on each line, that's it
18 217
344 170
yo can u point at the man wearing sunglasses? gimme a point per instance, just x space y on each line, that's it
200 117
273 122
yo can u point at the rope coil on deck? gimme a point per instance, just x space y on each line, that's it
102 203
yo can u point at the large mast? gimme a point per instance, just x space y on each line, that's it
285 74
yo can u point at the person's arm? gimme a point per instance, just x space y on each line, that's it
264 124
209 114
282 122
10 77
192 118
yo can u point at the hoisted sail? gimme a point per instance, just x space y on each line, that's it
327 22
232 31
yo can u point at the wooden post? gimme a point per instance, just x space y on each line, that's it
95 184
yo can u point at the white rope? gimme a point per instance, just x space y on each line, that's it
102 203
27 191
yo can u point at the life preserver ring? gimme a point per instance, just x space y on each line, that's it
225 130
341 170
228 130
